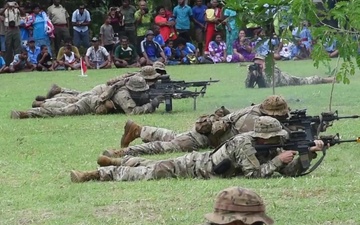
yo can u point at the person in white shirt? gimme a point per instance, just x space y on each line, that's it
81 20
97 57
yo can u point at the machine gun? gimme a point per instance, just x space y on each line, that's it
164 82
169 94
313 125
298 141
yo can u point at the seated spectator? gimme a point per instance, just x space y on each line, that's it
217 50
331 49
170 53
151 50
186 52
158 38
242 50
304 41
286 50
68 41
71 61
96 56
45 62
33 51
126 55
3 67
21 62
107 35
262 47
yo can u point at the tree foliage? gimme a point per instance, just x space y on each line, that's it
277 16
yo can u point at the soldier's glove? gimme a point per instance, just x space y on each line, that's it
156 101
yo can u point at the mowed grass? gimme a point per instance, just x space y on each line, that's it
37 154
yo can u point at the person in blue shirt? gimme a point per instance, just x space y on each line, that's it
33 51
21 62
330 48
183 14
186 52
169 52
158 38
151 50
3 67
199 21
81 21
24 32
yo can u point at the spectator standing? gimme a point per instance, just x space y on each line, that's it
117 21
96 56
45 61
212 18
11 13
143 21
33 51
38 23
232 29
107 35
24 32
2 33
126 55
60 19
151 50
81 20
199 21
183 14
129 21
166 26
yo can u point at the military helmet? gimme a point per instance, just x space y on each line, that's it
238 204
149 73
137 83
274 105
267 127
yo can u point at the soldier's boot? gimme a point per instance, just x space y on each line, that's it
79 176
19 115
114 153
40 98
329 80
107 161
131 132
36 104
55 89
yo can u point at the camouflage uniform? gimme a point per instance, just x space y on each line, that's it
160 140
284 79
238 152
236 204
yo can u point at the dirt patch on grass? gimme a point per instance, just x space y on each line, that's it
30 217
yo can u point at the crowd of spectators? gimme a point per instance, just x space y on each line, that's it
132 36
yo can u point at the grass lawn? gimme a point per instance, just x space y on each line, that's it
37 154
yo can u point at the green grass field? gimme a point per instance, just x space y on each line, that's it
37 154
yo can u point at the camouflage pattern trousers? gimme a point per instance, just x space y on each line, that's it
160 140
194 165
284 79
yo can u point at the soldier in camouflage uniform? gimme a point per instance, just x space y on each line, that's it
256 73
160 140
236 157
240 206
120 102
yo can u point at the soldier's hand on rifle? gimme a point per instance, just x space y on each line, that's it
156 101
319 145
287 156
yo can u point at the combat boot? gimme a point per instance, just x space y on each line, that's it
114 153
78 176
55 89
131 132
36 104
329 80
107 161
19 115
40 98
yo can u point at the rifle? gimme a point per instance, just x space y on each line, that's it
165 82
169 94
313 125
298 141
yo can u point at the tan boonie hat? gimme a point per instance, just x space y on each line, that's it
149 73
267 127
238 204
159 66
258 56
137 83
274 105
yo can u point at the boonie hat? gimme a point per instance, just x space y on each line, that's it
238 204
137 83
267 127
159 66
149 73
274 105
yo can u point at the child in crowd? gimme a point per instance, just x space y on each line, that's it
186 52
71 61
3 66
169 52
157 36
45 62
107 35
21 62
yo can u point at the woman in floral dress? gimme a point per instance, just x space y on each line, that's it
217 49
